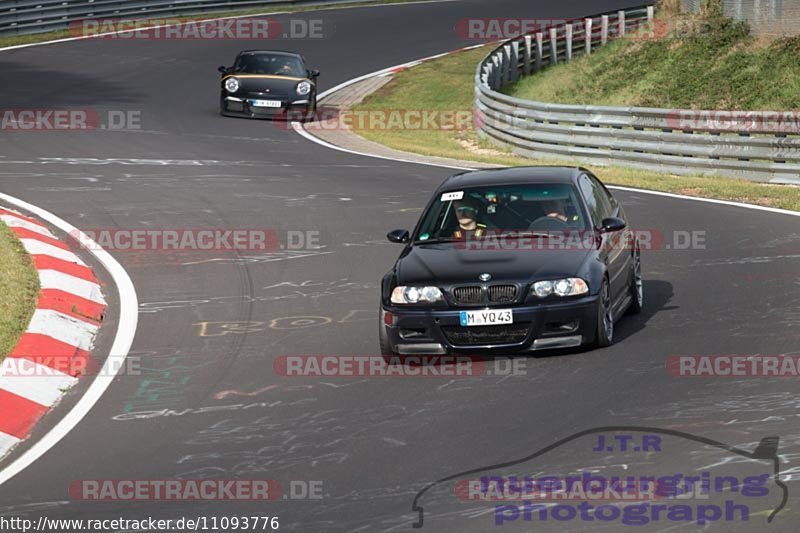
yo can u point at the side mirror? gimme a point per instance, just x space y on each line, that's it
223 70
612 224
313 73
400 236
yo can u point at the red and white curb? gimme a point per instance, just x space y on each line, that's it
53 351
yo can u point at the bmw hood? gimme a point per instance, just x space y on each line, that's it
444 264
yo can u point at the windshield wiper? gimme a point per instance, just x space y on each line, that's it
518 234
438 241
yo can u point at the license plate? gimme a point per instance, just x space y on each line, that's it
487 317
265 103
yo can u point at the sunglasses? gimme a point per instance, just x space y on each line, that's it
466 210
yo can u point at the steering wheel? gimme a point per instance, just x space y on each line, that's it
548 223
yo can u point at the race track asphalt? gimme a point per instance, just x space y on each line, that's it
211 324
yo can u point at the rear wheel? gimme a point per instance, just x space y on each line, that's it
605 318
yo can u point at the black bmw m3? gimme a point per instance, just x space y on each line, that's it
268 84
512 261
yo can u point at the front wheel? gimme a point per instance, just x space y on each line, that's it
386 347
605 318
637 284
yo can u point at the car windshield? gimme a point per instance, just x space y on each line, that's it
507 209
269 64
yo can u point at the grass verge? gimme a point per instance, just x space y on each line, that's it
446 84
15 40
713 64
19 285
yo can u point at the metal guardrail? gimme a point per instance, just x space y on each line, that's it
758 145
18 17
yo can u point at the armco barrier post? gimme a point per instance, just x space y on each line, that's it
621 24
568 28
553 46
588 36
650 13
526 56
539 48
604 30
506 64
514 60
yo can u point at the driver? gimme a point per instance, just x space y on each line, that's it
467 214
558 209
285 68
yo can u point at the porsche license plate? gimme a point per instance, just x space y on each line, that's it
488 317
265 103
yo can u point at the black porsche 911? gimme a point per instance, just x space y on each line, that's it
512 261
268 84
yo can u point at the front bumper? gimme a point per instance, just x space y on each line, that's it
535 327
242 106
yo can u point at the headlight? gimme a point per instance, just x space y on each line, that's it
303 88
231 85
413 295
560 287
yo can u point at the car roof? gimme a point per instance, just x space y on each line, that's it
513 175
272 52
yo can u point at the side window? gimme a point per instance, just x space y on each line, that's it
597 199
609 200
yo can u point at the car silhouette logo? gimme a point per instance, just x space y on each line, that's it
485 276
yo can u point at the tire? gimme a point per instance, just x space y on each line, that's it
605 320
637 285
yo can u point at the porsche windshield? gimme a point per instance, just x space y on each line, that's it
269 64
520 209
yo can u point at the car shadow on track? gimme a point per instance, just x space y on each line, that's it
657 295
53 88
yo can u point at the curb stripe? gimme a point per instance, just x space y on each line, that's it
71 305
63 328
6 443
37 247
53 279
116 355
19 414
32 381
14 214
24 233
17 222
47 351
48 262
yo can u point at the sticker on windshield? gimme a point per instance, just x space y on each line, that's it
448 196
424 237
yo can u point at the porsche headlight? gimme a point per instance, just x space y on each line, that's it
303 88
560 287
231 85
414 295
